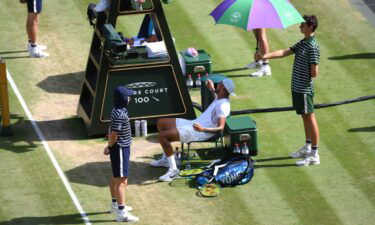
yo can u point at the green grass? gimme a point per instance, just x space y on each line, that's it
339 191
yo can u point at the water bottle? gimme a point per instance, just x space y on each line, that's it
236 149
177 154
198 81
189 82
245 149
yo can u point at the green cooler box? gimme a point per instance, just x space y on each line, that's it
200 64
241 130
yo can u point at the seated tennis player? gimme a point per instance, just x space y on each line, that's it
204 127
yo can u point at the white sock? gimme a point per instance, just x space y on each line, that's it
172 162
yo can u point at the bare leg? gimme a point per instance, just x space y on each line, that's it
32 26
165 139
120 184
112 187
311 128
166 123
261 36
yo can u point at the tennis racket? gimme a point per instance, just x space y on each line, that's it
211 189
191 172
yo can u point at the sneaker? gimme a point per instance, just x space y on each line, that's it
309 160
124 216
114 208
302 153
262 71
101 6
253 65
163 161
41 47
36 52
170 175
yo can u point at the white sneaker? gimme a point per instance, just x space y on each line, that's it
41 47
309 160
123 216
101 6
114 208
264 70
301 153
254 65
36 52
163 161
170 175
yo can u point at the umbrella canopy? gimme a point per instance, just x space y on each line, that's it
253 14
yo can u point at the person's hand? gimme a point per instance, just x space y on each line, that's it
210 85
23 1
198 127
106 151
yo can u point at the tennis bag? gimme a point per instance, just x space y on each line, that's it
232 171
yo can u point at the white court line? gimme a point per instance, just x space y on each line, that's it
48 150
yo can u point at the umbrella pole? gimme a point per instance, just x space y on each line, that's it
257 37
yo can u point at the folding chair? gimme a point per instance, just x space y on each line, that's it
217 139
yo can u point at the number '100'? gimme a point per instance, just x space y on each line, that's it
141 100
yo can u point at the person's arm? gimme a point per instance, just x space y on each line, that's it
275 54
220 127
112 138
23 1
211 87
314 70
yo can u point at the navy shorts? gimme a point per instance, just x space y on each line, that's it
34 6
120 161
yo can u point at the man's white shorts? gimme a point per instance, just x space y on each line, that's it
187 132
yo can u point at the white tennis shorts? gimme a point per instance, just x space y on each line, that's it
187 132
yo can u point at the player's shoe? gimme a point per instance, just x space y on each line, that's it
36 52
124 216
101 6
41 47
301 153
264 70
253 65
114 208
170 175
309 160
163 161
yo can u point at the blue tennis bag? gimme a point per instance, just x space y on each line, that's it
232 171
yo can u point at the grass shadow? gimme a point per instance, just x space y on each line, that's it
258 166
362 129
60 219
368 55
229 70
69 83
12 52
98 174
24 138
16 57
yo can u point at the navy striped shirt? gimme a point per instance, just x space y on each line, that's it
306 52
120 124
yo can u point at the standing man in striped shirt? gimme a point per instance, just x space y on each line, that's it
119 141
34 8
305 68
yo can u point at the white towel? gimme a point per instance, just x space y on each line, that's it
156 49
